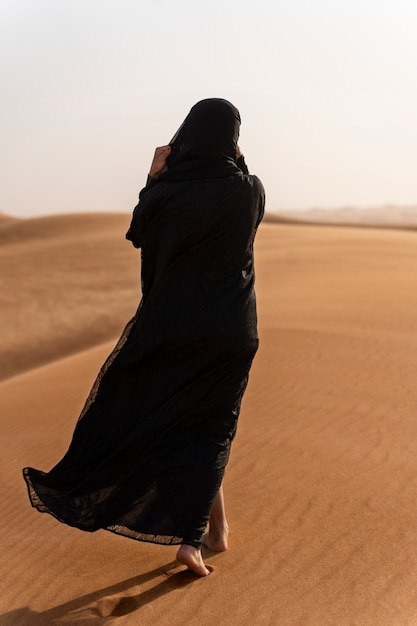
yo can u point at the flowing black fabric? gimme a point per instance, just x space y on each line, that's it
151 445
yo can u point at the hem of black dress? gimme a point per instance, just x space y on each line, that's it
116 529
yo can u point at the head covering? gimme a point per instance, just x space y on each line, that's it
205 144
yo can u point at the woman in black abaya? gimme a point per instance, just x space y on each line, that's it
150 448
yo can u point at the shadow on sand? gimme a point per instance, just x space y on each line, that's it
106 604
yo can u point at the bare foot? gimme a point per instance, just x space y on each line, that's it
216 540
192 558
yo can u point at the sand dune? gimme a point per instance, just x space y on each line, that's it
69 281
388 216
322 480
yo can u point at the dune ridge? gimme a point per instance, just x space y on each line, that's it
388 216
321 483
69 282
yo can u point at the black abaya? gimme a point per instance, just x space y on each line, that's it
150 448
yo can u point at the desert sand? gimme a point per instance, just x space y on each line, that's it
321 485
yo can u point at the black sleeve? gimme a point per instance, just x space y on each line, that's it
137 226
142 214
240 162
150 182
260 201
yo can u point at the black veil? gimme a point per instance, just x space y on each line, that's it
205 143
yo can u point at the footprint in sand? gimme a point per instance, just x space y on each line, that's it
115 606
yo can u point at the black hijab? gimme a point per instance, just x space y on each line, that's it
205 144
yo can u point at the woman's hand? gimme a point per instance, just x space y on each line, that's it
159 163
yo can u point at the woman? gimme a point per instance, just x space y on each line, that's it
150 448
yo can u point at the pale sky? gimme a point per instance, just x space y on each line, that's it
327 92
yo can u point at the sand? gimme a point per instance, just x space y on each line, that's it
321 485
389 215
54 286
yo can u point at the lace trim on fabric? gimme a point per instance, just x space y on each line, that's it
123 338
127 532
114 528
33 496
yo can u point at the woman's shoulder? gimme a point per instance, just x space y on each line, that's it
255 183
166 190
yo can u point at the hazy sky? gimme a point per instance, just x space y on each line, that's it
327 92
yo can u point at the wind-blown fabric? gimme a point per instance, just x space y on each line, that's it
150 448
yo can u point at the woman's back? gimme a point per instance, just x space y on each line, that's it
197 253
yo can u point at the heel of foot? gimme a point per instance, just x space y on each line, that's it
215 543
192 558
